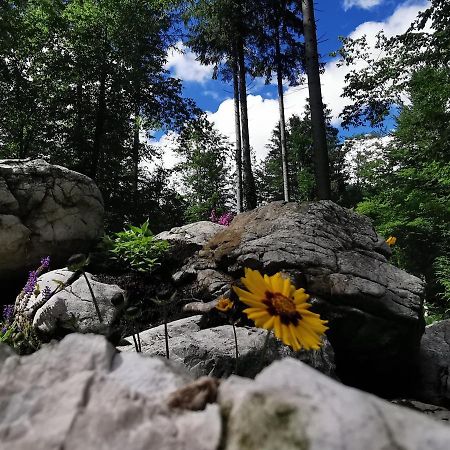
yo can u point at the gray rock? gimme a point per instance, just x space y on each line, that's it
71 308
197 233
80 394
291 406
434 412
45 210
5 352
373 308
433 380
212 351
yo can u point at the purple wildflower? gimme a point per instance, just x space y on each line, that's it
8 313
226 218
31 282
45 262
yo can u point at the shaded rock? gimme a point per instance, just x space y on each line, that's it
212 351
291 406
433 380
45 210
80 394
5 352
374 308
433 411
71 308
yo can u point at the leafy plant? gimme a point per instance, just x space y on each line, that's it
138 248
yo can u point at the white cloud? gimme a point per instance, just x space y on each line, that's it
184 65
165 147
263 112
364 4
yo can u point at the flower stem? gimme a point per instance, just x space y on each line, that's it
166 332
236 348
97 309
139 342
135 343
264 351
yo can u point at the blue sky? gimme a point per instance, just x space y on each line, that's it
334 18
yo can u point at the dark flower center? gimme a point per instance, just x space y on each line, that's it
280 305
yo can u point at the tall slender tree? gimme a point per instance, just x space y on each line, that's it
218 34
322 170
278 49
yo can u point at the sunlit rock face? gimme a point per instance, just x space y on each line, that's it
291 406
373 308
81 394
45 210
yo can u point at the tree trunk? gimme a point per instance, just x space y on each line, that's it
237 128
248 180
135 156
78 133
284 152
321 163
99 125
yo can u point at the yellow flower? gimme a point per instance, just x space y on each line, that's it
224 304
391 240
276 304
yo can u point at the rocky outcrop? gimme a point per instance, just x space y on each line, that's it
71 307
196 234
373 307
185 241
212 351
45 210
433 380
80 394
291 406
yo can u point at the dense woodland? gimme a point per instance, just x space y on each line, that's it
83 84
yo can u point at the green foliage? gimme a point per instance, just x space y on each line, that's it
300 163
204 173
382 82
23 339
80 81
411 197
442 269
138 248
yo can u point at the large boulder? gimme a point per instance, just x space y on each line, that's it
433 380
45 210
373 308
196 234
291 406
211 351
80 394
187 240
71 308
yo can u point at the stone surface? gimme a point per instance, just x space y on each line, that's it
80 394
434 412
374 308
433 380
291 406
197 233
45 210
71 308
212 351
